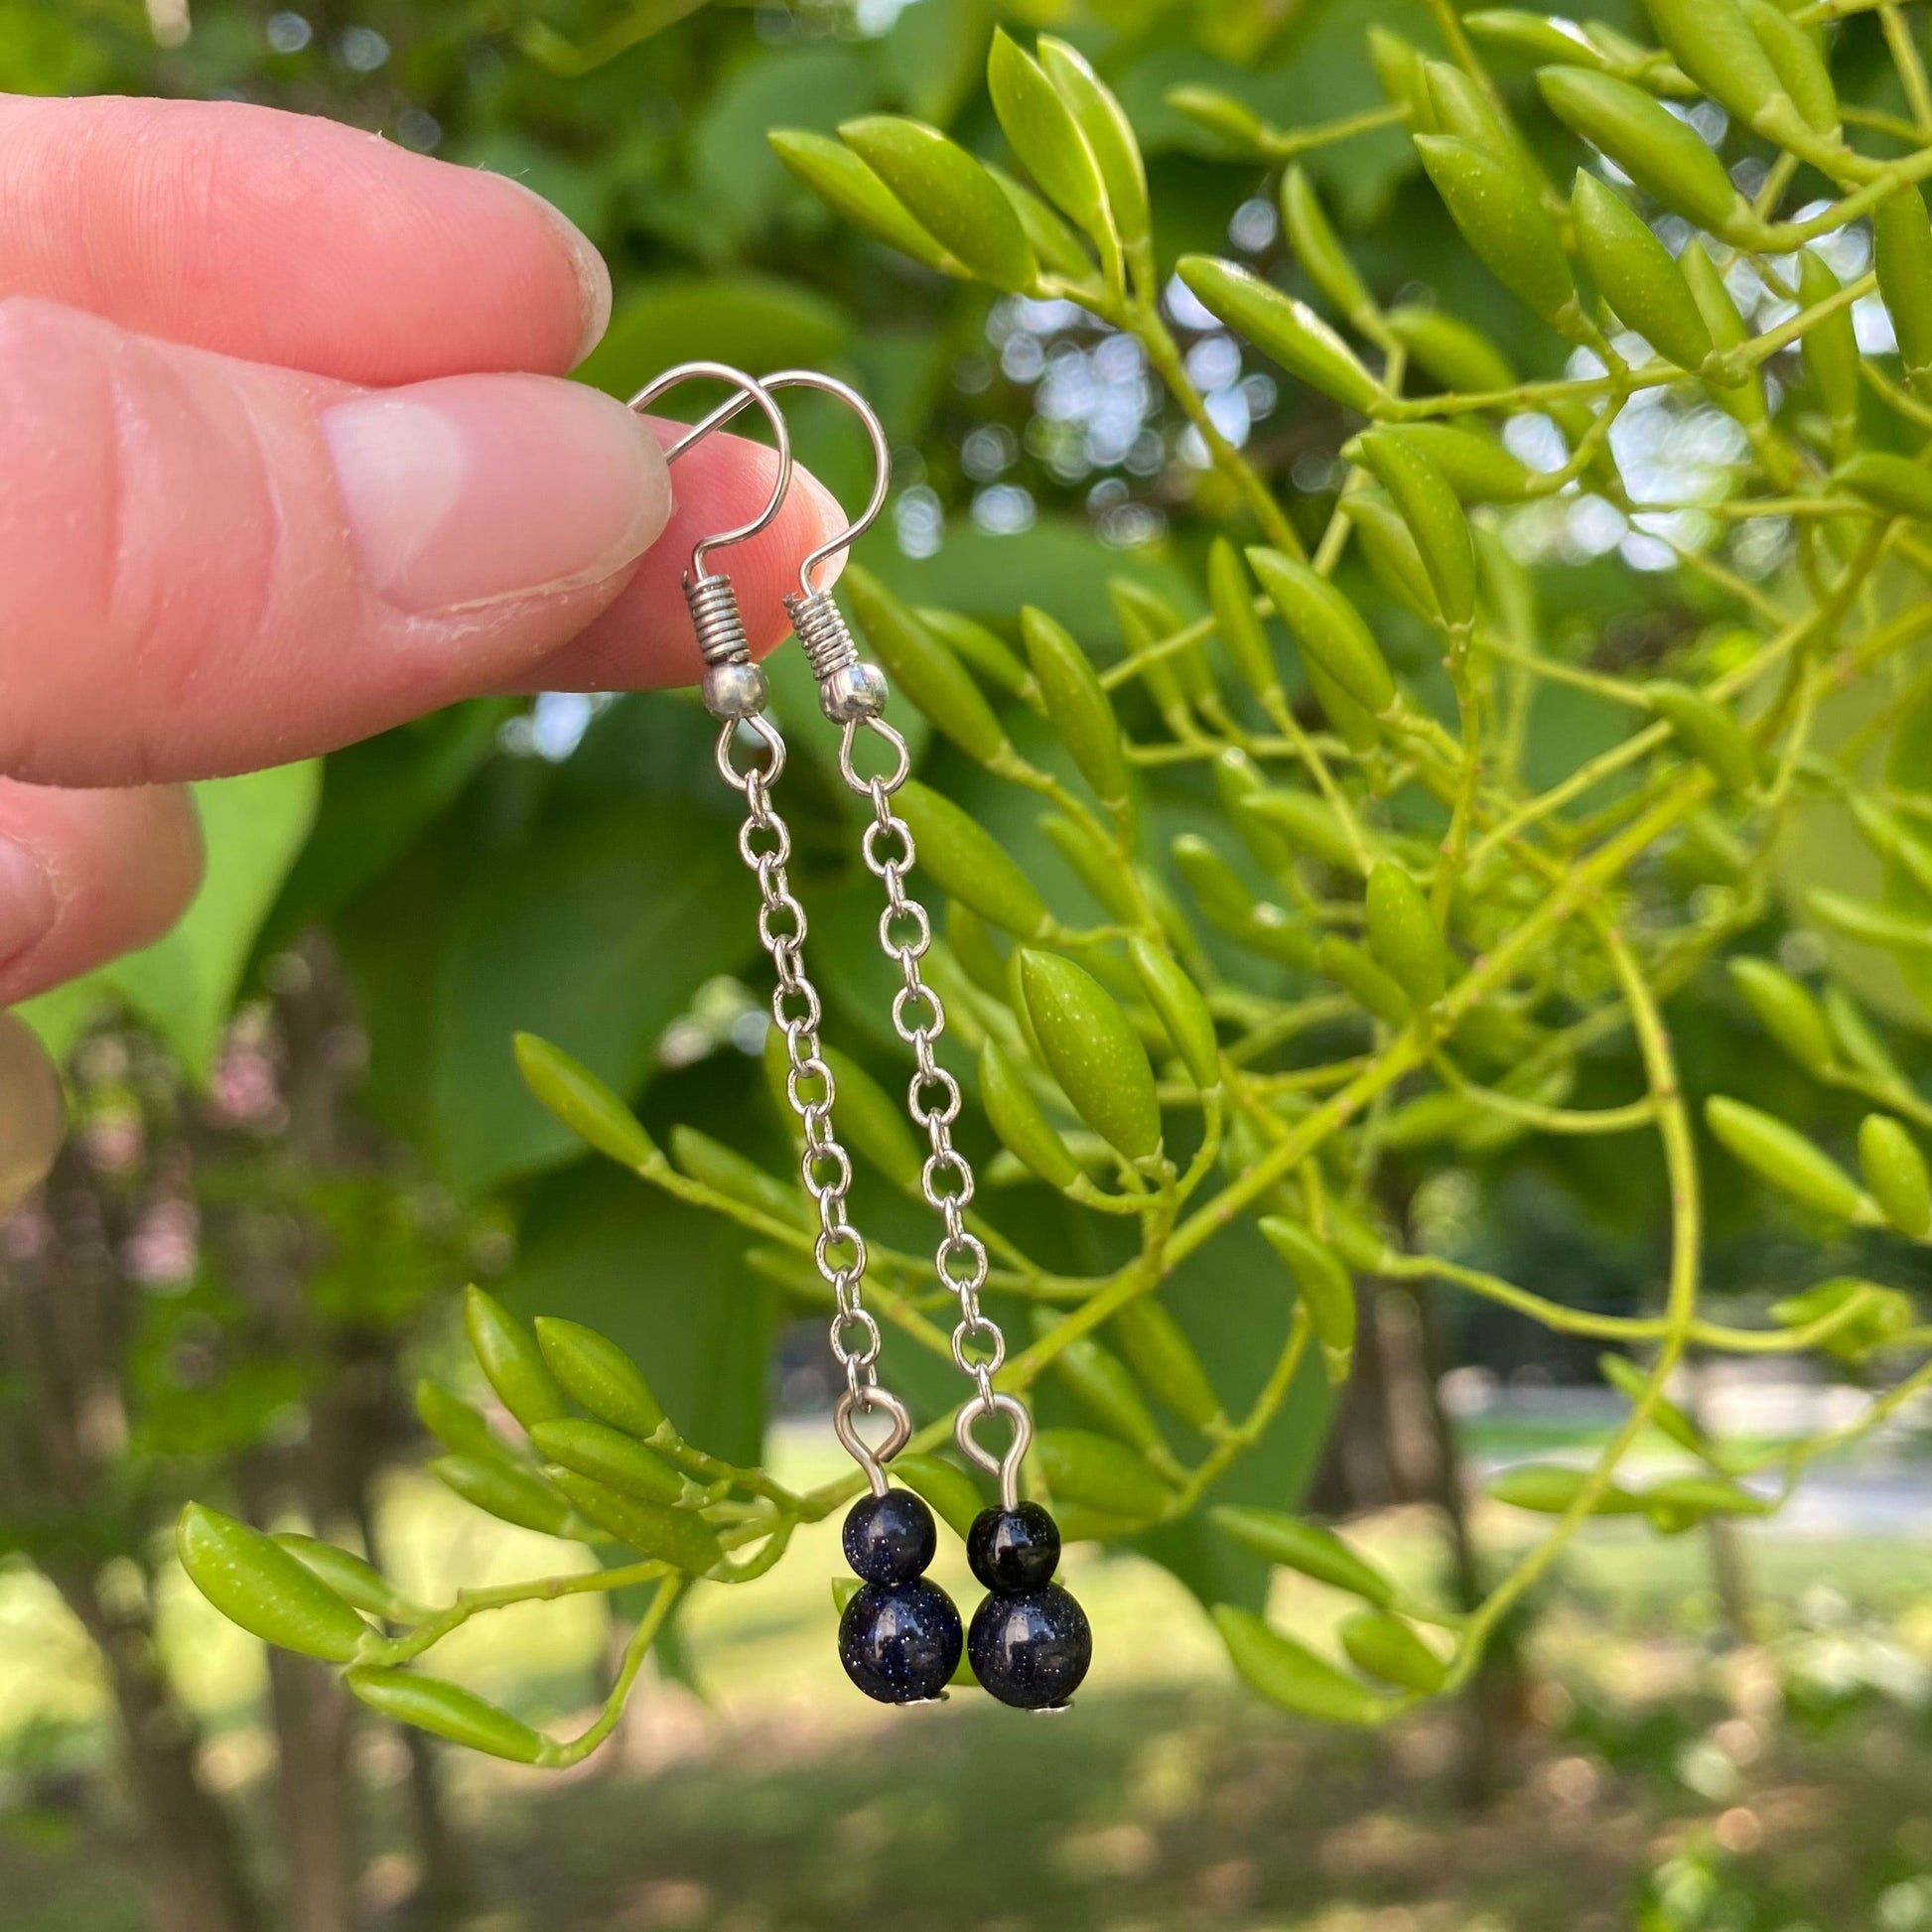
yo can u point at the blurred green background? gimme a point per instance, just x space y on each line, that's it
299 1128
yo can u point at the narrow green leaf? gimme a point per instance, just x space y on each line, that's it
948 193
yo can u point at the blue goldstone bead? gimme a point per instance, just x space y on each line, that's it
1012 1549
900 1642
1032 1649
889 1539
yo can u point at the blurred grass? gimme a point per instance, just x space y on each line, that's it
1786 1777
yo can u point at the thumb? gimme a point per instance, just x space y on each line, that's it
239 565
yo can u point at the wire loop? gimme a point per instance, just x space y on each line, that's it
1005 1468
845 1427
750 390
882 454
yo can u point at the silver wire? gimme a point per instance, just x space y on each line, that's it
882 456
750 390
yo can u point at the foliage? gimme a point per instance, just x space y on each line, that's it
1432 876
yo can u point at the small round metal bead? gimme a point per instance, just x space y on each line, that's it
1014 1549
1030 1650
900 1642
853 693
889 1539
734 690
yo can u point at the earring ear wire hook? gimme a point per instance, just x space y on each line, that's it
875 431
734 689
850 692
750 390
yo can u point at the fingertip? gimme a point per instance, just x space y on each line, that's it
337 252
482 490
646 638
586 265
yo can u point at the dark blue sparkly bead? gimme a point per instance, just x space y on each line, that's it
900 1642
889 1539
1030 1650
1012 1549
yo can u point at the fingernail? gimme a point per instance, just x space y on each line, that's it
593 272
28 902
479 488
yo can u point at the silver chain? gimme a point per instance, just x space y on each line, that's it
979 1347
824 1167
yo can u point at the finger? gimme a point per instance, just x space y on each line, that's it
289 239
33 1115
85 876
646 638
238 566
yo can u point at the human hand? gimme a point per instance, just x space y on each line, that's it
285 460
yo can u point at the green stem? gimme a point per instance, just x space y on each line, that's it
634 1653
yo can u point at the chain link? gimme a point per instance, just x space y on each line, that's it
932 1096
825 1169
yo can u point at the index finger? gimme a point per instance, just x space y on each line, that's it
289 239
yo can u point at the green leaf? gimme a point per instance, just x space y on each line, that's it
1707 729
1715 47
952 1493
1501 218
377 798
1386 1646
1291 1675
1159 1351
255 1582
968 863
599 1376
1636 273
593 934
930 676
1096 1471
1078 706
1044 134
1327 629
1666 157
1453 352
740 183
576 1097
1328 1288
750 321
1429 505
1781 1155
1092 1050
666 1283
448 1710
1309 1548
1892 483
1018 1121
184 984
1282 328
1111 136
948 193
1901 233
358 1583
843 180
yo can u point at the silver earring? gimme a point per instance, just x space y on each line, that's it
901 1635
1029 1643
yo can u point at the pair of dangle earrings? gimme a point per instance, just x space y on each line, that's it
900 1636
